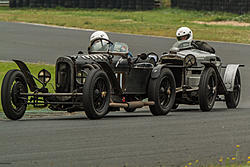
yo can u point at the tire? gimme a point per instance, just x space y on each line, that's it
162 91
130 109
233 98
207 89
96 94
14 105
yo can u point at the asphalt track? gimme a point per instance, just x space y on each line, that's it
120 139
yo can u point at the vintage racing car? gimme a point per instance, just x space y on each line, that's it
103 80
200 76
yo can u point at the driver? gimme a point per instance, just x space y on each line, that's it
98 34
102 34
186 34
100 45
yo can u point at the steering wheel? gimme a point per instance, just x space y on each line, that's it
109 42
101 40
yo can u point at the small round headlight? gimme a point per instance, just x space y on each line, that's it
44 76
189 60
81 77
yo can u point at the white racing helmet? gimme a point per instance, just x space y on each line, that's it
184 33
98 34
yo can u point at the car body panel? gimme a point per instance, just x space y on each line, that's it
229 76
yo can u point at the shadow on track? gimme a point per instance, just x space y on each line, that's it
140 113
78 116
198 110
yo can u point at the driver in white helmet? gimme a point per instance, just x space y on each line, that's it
100 44
185 33
98 34
103 45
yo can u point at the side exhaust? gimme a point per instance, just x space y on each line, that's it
132 104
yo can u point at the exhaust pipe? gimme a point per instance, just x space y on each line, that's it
132 104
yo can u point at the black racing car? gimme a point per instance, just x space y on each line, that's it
103 80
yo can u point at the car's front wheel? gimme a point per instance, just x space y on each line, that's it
207 89
96 94
14 105
162 91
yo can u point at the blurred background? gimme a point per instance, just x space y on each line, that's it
234 6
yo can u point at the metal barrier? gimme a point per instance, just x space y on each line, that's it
119 4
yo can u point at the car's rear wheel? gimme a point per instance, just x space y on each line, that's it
96 94
162 91
233 98
14 105
207 89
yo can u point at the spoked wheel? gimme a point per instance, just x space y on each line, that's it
96 94
14 105
207 89
233 98
162 91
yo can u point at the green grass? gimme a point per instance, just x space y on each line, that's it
236 159
159 22
34 68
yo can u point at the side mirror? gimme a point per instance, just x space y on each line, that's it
44 76
143 56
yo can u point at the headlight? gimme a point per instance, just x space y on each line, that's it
81 77
189 60
44 76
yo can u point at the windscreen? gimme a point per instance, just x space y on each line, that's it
182 45
107 47
100 46
119 47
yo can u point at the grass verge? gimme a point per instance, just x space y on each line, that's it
159 22
236 159
34 68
